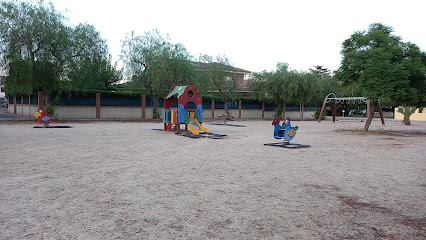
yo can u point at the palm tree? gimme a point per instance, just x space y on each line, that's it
407 112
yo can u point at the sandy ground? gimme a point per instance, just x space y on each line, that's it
123 180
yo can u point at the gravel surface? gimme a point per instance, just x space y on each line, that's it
124 180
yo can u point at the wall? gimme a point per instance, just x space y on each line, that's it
98 107
416 115
76 112
2 93
119 112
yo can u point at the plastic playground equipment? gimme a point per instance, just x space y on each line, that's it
191 118
44 118
285 132
226 117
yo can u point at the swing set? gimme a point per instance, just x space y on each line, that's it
332 97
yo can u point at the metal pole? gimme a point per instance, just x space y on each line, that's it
322 109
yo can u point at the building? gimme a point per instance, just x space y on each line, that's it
2 92
241 74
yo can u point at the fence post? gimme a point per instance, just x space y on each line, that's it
29 104
212 108
239 109
143 104
22 105
284 111
40 100
14 104
98 105
263 109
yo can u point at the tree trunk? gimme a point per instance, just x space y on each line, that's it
155 111
226 106
406 120
370 118
279 111
46 95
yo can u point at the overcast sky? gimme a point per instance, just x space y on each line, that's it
254 35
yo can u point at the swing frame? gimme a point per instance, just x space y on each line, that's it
337 100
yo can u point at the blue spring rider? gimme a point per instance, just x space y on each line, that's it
286 131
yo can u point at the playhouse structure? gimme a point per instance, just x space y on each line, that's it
192 118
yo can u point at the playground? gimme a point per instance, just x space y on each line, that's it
123 180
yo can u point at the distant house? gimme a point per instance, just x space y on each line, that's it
241 75
2 93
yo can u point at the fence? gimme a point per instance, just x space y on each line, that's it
121 107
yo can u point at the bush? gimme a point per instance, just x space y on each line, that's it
51 109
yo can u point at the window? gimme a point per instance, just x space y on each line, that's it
2 89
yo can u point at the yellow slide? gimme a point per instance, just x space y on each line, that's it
201 127
196 130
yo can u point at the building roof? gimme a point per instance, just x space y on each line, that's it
202 66
2 77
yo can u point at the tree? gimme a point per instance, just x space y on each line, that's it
407 112
42 53
156 65
326 83
215 72
284 85
379 64
34 40
90 64
320 71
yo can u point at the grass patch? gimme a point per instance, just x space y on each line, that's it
350 129
360 130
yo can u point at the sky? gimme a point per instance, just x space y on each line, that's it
253 35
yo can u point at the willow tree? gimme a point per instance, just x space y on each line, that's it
156 65
218 76
379 64
41 52
34 42
284 85
90 65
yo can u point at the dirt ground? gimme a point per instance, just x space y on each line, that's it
126 180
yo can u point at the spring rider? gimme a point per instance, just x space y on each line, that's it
285 132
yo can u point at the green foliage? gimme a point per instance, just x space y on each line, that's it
42 53
51 109
278 112
90 65
215 76
407 112
30 38
156 65
19 81
378 64
284 85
